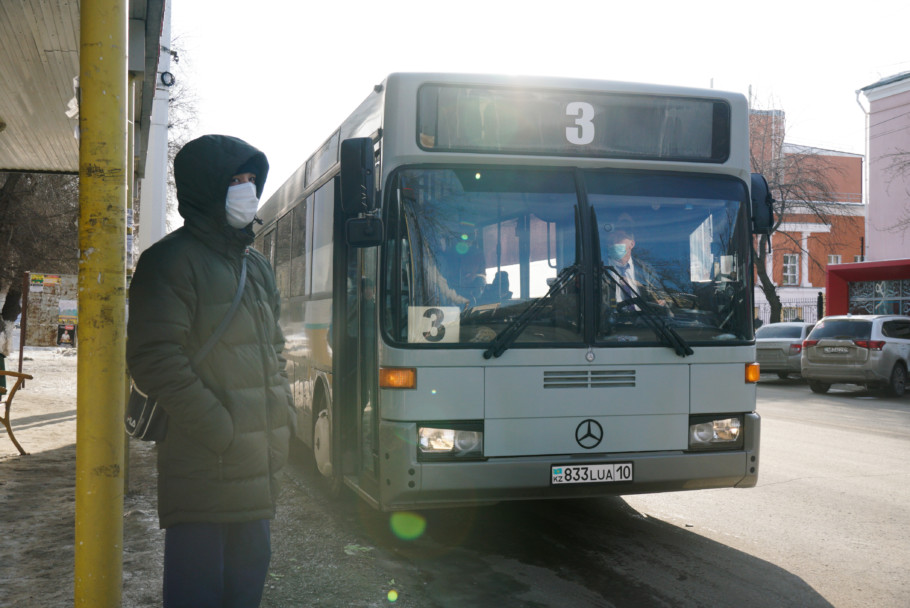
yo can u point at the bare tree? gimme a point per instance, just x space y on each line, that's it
801 180
39 215
182 121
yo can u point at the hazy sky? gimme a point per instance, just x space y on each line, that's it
283 74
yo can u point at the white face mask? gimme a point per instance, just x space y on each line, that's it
241 204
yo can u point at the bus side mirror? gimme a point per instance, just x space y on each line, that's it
762 205
357 180
363 232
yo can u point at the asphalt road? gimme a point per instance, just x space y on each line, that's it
827 525
832 506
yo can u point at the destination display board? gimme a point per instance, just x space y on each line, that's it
453 118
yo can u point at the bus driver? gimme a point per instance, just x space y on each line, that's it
618 244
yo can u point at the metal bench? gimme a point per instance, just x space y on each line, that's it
6 395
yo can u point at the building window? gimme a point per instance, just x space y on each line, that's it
791 269
857 258
833 259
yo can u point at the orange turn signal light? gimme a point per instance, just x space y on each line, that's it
397 377
752 372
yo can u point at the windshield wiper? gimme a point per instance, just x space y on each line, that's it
654 321
510 333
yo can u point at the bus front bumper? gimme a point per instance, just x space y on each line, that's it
407 483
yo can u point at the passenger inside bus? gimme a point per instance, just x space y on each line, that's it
498 289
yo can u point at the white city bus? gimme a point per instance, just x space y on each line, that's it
459 330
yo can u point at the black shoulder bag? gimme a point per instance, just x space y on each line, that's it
144 419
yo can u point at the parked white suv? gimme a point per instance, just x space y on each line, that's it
871 350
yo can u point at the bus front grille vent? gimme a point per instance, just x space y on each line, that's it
589 379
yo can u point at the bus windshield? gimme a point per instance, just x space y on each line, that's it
681 244
472 248
468 250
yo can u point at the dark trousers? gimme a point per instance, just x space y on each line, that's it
216 565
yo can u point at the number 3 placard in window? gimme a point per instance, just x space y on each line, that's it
433 324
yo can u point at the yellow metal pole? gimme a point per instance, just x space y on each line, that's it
102 269
130 194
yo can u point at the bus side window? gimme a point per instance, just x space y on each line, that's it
268 247
298 250
321 238
263 243
283 255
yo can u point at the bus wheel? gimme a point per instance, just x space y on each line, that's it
322 453
897 384
819 387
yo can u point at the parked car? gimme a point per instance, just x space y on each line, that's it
779 347
870 350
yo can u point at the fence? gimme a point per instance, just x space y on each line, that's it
791 310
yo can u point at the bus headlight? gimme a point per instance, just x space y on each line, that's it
438 442
715 433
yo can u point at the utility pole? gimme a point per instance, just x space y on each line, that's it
103 174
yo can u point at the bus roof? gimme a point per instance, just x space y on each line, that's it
399 89
555 82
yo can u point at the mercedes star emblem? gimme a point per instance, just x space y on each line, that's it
589 434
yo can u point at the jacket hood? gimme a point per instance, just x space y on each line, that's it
203 169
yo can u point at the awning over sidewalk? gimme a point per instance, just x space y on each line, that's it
39 69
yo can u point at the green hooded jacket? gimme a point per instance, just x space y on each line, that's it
229 418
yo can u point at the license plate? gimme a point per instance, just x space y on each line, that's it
562 474
837 349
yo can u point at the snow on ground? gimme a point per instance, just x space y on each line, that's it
37 493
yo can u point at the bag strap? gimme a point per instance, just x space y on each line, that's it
213 339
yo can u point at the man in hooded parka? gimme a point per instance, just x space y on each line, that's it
230 416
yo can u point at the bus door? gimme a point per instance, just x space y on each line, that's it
368 405
358 235
358 391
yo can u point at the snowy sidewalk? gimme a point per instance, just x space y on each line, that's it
37 494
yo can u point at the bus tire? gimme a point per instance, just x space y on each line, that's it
819 387
897 383
323 454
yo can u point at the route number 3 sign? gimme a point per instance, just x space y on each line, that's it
433 324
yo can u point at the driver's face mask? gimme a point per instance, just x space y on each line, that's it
617 251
